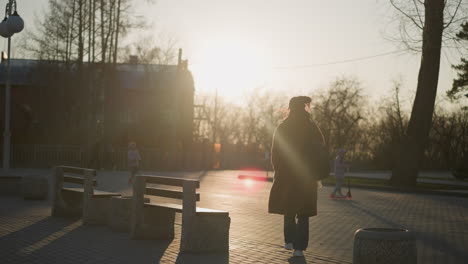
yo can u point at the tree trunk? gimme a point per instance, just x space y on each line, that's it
117 31
90 29
80 33
110 32
70 40
103 43
412 146
94 32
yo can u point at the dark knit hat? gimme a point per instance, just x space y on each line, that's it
299 102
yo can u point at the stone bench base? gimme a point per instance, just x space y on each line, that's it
34 187
98 211
98 208
73 206
10 185
158 223
208 233
120 213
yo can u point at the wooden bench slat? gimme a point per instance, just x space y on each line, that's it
167 180
77 180
75 170
178 208
96 192
174 194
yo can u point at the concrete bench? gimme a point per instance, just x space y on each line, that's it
93 205
203 229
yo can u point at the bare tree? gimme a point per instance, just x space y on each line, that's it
73 31
448 141
151 51
387 129
253 122
372 135
432 18
339 111
411 18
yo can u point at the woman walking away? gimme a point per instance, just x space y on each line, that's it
340 167
297 158
133 157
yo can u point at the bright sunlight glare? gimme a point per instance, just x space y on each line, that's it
231 67
248 183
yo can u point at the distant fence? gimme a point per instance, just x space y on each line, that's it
47 156
38 156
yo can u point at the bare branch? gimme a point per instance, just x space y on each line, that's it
405 14
417 11
454 14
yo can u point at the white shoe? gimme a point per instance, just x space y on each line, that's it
298 253
288 246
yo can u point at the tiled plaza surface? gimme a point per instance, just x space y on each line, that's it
29 235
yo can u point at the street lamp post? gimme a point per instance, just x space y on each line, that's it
11 24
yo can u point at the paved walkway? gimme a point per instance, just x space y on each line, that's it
29 235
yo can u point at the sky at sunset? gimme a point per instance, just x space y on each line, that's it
238 46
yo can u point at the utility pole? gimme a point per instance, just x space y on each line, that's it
7 132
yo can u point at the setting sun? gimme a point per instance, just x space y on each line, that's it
231 67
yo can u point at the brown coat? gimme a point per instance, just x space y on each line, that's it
295 148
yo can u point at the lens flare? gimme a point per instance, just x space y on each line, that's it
248 183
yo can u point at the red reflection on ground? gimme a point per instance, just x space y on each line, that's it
251 180
251 169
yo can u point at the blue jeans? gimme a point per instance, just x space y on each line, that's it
296 233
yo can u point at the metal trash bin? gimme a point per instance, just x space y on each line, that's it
384 245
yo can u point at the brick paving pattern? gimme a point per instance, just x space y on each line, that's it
29 235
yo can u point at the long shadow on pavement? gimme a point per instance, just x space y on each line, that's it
16 206
455 201
375 215
34 233
98 244
440 244
431 240
57 240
